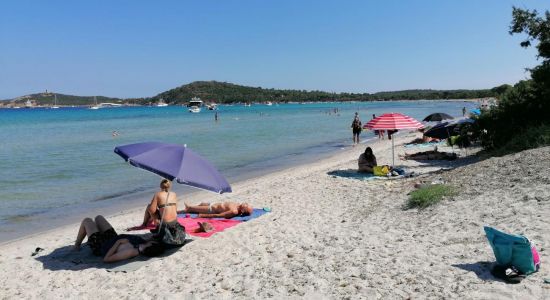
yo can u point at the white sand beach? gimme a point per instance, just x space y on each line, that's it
327 237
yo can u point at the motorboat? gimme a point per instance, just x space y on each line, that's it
161 103
195 105
268 103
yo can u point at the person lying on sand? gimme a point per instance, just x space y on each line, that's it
429 155
104 241
219 210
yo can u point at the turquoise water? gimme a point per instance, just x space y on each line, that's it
62 160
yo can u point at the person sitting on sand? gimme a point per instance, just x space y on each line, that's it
366 161
219 210
104 241
429 155
163 201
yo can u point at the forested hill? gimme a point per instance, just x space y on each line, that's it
223 92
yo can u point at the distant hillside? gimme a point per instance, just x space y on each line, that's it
47 99
223 92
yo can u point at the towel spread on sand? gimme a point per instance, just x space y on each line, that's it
190 222
350 173
191 225
66 258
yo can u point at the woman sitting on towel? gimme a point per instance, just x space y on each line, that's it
366 161
104 241
220 210
164 201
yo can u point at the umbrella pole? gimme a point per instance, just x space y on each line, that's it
392 154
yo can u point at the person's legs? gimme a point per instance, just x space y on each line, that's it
87 228
148 217
197 209
102 224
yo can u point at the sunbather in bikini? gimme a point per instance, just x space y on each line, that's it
219 210
429 155
104 241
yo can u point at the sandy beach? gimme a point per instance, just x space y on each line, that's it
327 237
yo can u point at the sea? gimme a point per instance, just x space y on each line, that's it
58 165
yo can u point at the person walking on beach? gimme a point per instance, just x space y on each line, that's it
356 128
463 111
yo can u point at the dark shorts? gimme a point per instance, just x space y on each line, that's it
97 239
356 130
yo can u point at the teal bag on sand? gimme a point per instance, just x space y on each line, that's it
511 250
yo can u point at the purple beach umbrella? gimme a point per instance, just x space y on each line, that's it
173 161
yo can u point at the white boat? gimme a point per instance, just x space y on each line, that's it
195 105
55 101
28 104
194 109
161 103
269 103
212 106
95 106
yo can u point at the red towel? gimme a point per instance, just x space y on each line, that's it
191 225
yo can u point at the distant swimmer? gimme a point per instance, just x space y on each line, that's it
115 133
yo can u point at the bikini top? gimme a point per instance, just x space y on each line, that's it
166 204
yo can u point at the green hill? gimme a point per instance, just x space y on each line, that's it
223 92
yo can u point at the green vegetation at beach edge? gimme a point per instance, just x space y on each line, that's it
226 93
522 118
429 195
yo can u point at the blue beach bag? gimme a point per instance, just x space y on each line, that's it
511 250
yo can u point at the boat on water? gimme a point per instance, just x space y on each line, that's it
268 103
161 103
55 101
212 106
95 106
29 104
247 104
195 105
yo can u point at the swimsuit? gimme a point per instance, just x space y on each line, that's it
97 239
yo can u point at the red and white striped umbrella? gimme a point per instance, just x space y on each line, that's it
393 121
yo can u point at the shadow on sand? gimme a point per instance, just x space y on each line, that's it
481 268
65 258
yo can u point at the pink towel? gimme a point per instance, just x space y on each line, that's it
191 225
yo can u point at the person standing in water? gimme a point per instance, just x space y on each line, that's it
356 128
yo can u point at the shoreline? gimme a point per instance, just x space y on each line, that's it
138 200
327 237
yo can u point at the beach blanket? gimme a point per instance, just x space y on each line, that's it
191 225
353 174
86 259
190 222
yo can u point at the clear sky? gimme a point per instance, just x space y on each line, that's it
129 48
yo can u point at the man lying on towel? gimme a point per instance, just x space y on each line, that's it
219 210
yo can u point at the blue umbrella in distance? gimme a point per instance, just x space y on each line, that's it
175 162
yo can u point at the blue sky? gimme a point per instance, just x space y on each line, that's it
134 48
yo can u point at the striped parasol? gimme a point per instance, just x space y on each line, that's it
393 121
